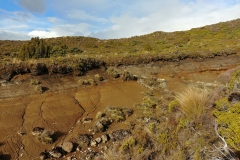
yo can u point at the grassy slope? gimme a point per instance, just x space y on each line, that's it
208 41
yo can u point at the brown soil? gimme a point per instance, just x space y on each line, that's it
64 102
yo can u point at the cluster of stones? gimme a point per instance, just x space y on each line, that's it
82 143
58 151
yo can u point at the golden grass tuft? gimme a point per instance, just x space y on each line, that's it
193 103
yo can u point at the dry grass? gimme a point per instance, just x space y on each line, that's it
193 103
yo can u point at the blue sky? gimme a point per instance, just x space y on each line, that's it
107 19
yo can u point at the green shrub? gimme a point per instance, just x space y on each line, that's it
172 106
228 117
127 144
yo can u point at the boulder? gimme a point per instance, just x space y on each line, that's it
98 140
67 146
93 143
105 138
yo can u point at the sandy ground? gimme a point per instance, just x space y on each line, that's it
64 103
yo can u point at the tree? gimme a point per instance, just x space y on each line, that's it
35 48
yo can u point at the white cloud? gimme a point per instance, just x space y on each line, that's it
82 29
169 17
42 34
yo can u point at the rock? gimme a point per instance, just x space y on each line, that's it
37 131
93 143
100 126
83 140
111 136
67 146
56 152
87 120
98 140
120 134
105 138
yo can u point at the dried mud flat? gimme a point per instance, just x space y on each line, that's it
65 103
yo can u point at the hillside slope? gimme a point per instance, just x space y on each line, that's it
207 41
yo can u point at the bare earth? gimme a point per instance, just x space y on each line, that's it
65 103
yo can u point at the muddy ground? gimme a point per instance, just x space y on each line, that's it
64 102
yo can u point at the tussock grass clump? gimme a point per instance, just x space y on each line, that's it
113 72
34 82
193 102
46 136
39 88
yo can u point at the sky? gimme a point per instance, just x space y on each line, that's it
108 19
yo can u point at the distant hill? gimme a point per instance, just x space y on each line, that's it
212 40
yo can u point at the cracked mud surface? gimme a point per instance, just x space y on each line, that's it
64 103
